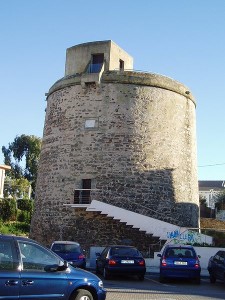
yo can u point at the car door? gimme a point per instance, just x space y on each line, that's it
37 281
9 269
102 259
220 268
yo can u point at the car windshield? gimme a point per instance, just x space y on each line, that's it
66 248
120 251
180 252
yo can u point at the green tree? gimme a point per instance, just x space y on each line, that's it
26 209
16 188
23 155
8 209
202 200
220 200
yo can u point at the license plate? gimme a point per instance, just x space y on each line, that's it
183 263
127 261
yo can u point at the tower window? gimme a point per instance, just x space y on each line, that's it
86 192
91 123
96 63
83 195
121 65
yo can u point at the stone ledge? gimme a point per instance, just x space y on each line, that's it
129 77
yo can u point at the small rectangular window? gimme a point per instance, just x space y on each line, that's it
76 197
7 256
86 192
96 63
121 65
83 195
91 123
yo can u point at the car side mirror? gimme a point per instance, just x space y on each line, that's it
98 254
53 268
64 266
199 256
159 255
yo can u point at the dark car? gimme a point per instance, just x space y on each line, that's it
71 252
216 267
179 261
120 260
29 270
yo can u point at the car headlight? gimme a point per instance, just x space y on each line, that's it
100 284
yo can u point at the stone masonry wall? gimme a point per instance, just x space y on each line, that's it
89 228
141 155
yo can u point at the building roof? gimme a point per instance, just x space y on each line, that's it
211 184
5 167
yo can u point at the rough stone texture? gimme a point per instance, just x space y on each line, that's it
141 156
89 228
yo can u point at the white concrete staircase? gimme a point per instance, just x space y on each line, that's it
152 226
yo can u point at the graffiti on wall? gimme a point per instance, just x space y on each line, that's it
188 236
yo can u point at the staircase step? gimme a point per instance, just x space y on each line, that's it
138 221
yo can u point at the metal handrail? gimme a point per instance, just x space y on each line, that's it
83 196
94 68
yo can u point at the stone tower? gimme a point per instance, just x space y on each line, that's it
118 136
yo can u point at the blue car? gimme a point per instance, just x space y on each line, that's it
120 260
71 252
30 271
179 261
216 267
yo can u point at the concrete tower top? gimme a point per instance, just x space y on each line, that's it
91 57
103 62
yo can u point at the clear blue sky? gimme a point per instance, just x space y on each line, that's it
182 39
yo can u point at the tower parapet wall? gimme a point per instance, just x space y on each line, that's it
131 77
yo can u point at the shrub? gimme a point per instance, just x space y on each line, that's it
25 205
8 210
21 216
17 228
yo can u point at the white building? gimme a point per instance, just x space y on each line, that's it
3 168
209 189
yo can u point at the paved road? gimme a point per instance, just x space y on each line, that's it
131 289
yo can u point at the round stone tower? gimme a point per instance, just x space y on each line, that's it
118 136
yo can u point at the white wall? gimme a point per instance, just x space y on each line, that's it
2 178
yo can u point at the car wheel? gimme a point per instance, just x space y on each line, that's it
106 274
141 277
212 278
83 295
